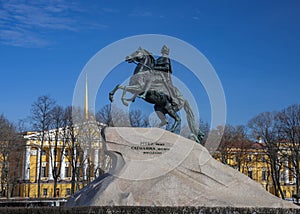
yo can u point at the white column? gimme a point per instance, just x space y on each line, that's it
75 156
27 162
85 164
63 166
38 163
74 159
286 171
96 161
294 175
51 163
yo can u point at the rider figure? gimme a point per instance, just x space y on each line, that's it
162 64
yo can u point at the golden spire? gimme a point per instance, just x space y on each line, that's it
86 97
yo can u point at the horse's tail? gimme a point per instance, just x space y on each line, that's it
195 133
190 117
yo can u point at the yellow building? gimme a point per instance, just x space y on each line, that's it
56 160
251 159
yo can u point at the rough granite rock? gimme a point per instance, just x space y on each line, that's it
153 167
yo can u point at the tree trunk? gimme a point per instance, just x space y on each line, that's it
54 187
8 181
73 180
273 176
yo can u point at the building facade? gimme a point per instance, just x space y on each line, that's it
253 161
57 167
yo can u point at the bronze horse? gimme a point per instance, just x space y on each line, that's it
158 94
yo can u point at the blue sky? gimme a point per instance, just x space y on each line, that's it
253 46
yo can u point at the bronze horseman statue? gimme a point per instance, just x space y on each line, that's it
152 82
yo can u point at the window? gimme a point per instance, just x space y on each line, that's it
250 174
263 175
249 158
67 174
44 170
66 152
68 191
45 192
44 152
57 192
263 159
236 158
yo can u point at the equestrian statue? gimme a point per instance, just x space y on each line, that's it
151 81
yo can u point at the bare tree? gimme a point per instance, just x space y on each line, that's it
114 116
227 144
56 151
16 157
233 145
137 119
10 154
41 120
6 130
74 156
290 126
243 145
265 125
104 115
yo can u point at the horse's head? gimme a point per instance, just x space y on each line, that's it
138 56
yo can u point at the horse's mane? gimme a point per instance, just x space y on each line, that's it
149 53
